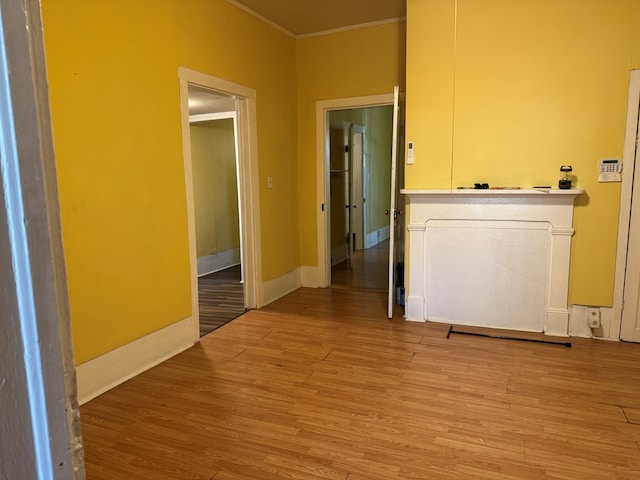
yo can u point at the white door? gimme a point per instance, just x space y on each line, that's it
393 209
631 311
627 286
356 147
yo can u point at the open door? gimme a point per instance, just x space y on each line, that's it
627 280
396 237
631 311
630 330
356 152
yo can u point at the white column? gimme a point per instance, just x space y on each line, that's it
557 322
39 417
415 295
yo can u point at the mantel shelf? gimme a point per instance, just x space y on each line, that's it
493 192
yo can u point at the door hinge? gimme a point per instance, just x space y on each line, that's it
346 149
322 207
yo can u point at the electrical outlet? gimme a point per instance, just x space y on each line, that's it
593 316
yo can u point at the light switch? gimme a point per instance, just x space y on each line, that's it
269 182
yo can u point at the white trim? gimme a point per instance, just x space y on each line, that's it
323 231
256 15
249 199
206 117
376 236
281 286
310 276
579 321
117 366
610 324
40 417
628 162
348 28
218 261
215 83
339 254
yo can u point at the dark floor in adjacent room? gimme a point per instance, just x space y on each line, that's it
220 298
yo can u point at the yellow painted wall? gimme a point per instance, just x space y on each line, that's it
215 187
506 92
369 61
113 74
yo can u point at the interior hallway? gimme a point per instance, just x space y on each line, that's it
370 269
319 385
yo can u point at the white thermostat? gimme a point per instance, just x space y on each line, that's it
410 153
609 170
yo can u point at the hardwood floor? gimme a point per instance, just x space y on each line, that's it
370 269
319 385
220 298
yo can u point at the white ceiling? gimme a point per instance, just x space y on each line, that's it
307 17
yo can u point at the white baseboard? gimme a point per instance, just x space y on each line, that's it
338 254
414 308
310 276
609 325
557 323
579 322
281 286
377 236
117 366
218 261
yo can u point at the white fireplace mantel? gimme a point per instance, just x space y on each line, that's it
495 258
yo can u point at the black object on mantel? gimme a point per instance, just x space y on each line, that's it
476 186
565 181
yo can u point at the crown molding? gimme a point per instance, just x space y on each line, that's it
332 31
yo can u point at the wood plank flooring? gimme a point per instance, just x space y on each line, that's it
220 298
319 385
369 269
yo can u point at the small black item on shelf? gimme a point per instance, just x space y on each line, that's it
481 186
565 181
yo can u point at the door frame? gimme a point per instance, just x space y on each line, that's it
247 149
323 227
626 195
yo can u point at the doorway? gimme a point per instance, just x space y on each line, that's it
359 166
219 146
216 192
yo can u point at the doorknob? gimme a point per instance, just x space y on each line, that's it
386 212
